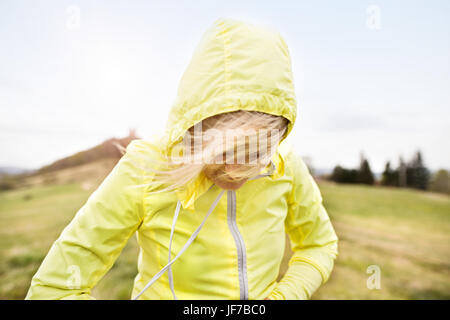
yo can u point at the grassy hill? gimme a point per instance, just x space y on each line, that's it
68 168
404 232
106 150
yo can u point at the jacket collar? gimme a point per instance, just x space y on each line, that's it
198 186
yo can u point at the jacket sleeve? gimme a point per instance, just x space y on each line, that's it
312 237
89 245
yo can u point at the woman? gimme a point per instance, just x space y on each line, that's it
207 227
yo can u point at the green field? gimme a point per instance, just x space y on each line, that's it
405 233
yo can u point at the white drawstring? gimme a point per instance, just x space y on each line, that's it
272 169
169 272
186 245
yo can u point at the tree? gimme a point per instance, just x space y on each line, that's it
365 174
362 175
401 172
390 176
338 174
441 182
342 175
417 175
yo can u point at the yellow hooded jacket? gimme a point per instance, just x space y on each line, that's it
238 251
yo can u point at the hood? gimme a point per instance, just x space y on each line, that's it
236 66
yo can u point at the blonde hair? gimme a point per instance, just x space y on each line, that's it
250 138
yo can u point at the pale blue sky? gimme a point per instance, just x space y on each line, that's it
65 88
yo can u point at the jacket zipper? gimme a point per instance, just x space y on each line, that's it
240 245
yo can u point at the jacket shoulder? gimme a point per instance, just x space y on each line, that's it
145 149
293 163
145 145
